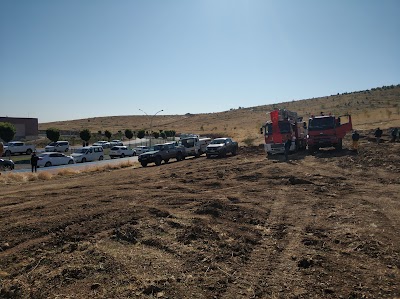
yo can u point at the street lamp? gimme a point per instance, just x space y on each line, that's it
151 121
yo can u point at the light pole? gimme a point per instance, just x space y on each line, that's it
151 121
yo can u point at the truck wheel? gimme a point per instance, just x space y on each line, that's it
223 154
166 161
28 151
208 156
312 149
158 160
144 164
339 145
234 152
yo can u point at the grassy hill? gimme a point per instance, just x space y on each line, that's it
369 109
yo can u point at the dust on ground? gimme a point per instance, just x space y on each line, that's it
321 226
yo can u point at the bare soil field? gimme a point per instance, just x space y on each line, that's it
320 226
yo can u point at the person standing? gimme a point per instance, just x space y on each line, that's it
395 132
378 135
34 160
1 148
355 137
288 143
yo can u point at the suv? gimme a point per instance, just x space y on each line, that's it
59 146
162 152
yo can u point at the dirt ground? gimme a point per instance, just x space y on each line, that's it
320 226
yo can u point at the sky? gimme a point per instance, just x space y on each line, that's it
74 59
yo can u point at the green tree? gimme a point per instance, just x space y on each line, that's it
129 135
53 134
141 134
85 135
7 131
108 134
156 135
163 135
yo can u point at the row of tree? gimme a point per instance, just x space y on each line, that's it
8 131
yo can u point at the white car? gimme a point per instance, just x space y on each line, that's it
116 142
88 153
140 150
48 159
103 144
59 146
121 151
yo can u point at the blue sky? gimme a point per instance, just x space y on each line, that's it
62 60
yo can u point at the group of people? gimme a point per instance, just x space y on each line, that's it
378 136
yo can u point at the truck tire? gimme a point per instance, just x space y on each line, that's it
166 161
339 145
222 154
158 160
234 152
144 164
28 151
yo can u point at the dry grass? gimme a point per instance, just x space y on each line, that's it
8 178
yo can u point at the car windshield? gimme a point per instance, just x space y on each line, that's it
43 155
115 148
321 123
284 127
52 144
80 150
187 142
157 147
218 141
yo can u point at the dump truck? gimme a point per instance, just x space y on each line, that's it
327 131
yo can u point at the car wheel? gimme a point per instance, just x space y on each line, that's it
223 154
166 161
179 156
28 151
83 160
144 164
71 162
158 160
48 164
66 150
134 154
101 158
122 155
208 156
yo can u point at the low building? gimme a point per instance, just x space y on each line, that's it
27 128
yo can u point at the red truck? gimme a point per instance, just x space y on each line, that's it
327 131
284 125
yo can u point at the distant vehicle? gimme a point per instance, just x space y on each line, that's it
140 150
327 131
103 144
121 151
6 165
222 146
162 152
48 159
116 142
88 153
59 146
17 147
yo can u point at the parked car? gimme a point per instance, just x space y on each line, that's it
221 146
103 144
6 164
88 153
162 152
121 151
140 150
59 146
17 147
48 159
116 142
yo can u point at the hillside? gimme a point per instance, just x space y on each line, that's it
369 109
